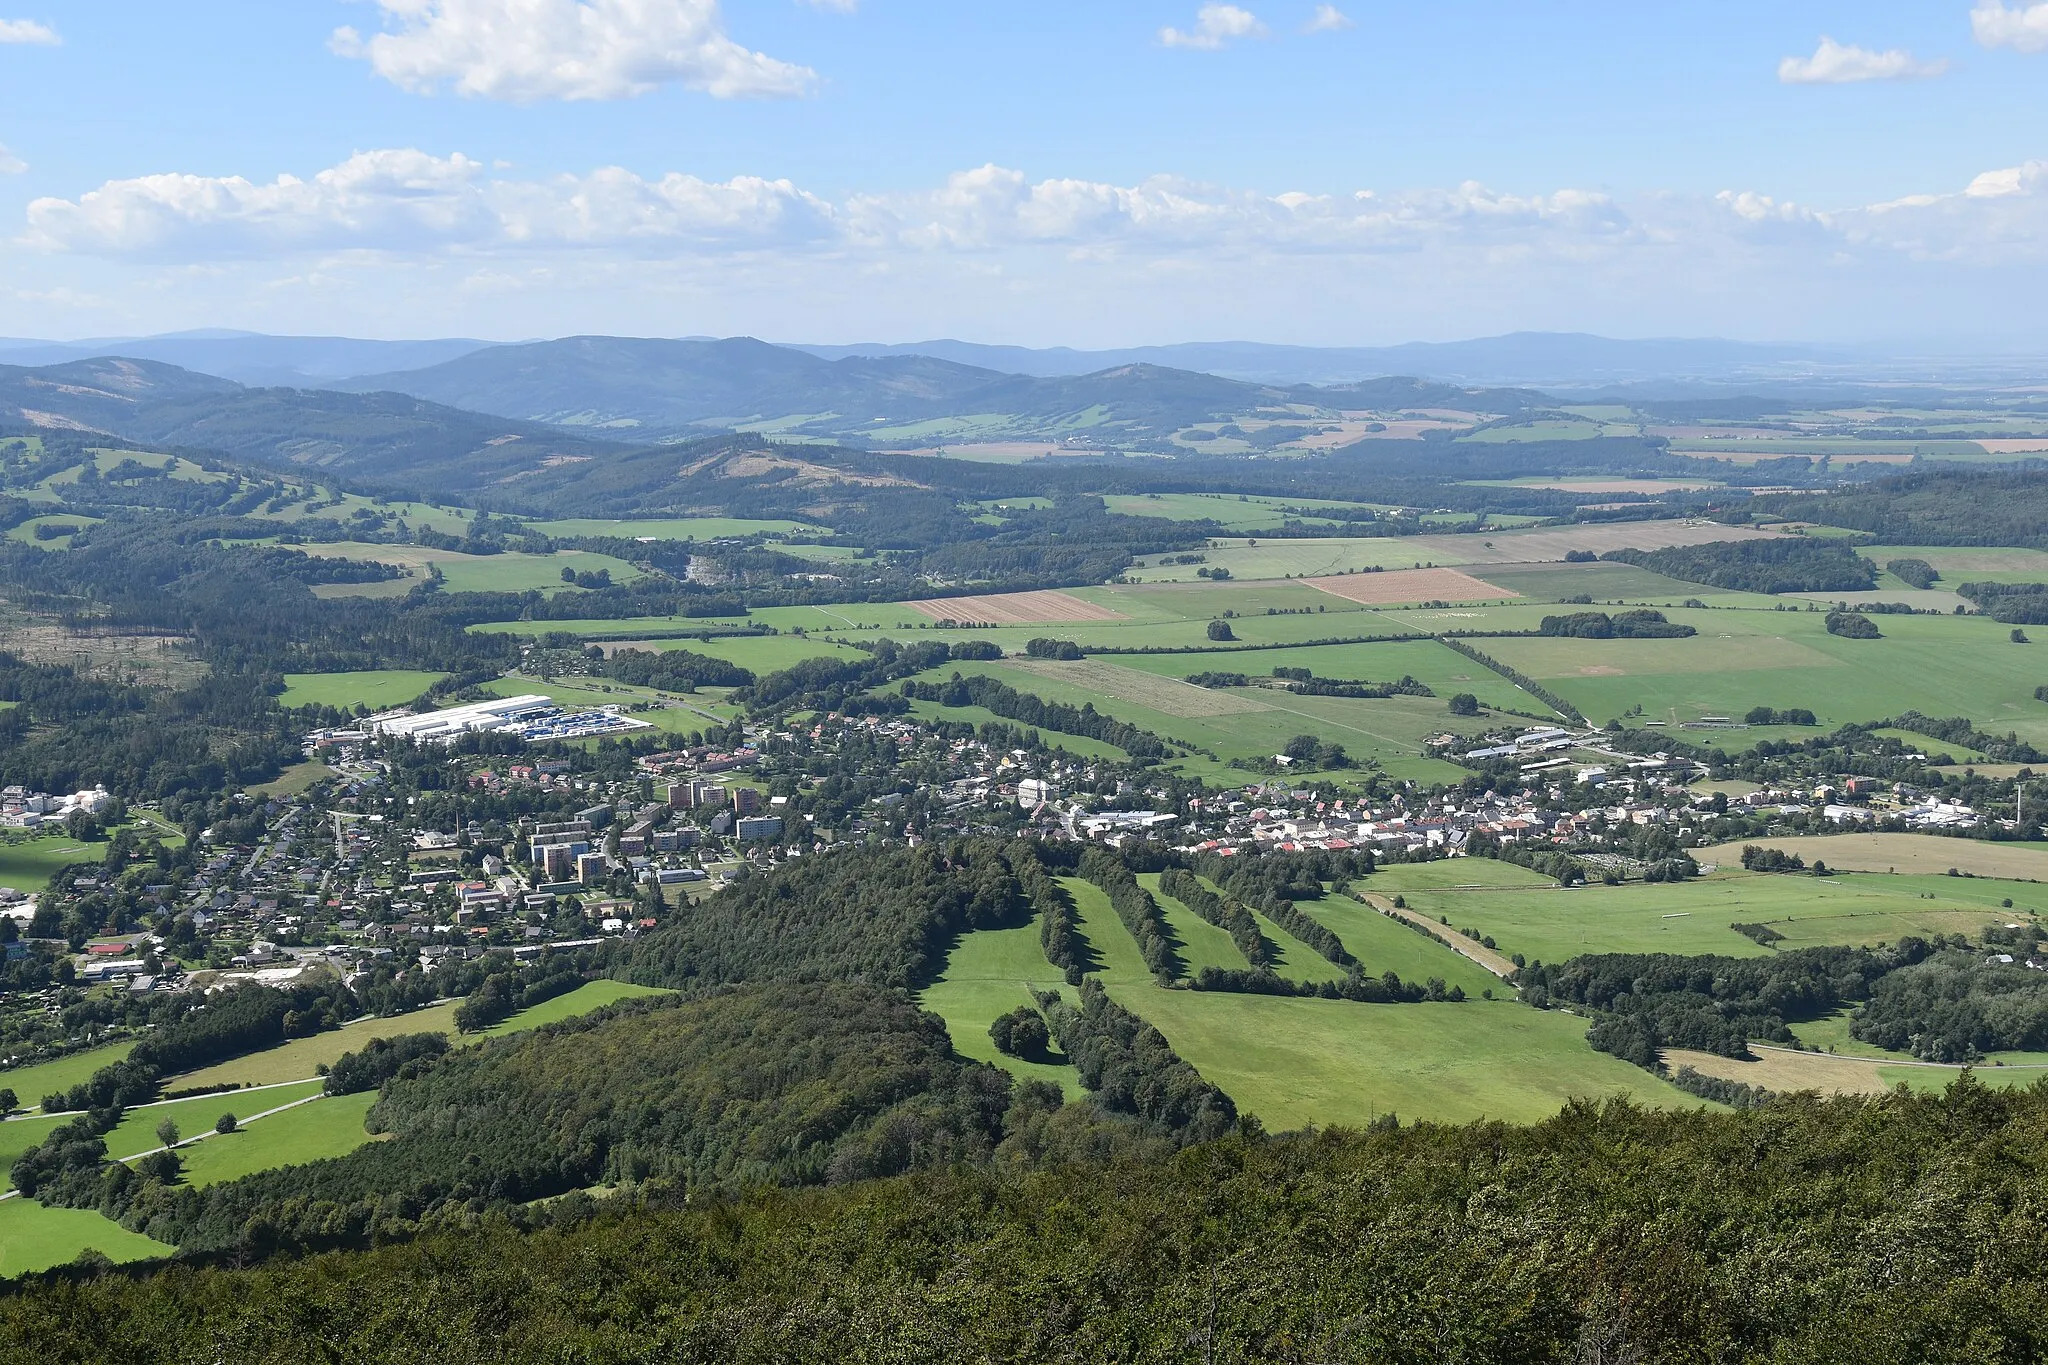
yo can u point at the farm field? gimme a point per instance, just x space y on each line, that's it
1201 943
1784 1071
1014 609
35 1238
1929 854
378 689
1409 585
17 1135
25 532
1383 946
1607 581
1555 924
1943 666
28 864
759 653
1231 511
673 528
327 1127
1235 723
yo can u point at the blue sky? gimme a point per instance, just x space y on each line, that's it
838 170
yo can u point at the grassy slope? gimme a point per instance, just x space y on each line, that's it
31 1083
1297 1062
136 1132
327 1127
590 996
35 1238
301 1057
989 974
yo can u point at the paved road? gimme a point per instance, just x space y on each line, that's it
1494 962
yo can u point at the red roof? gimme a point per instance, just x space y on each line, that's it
107 949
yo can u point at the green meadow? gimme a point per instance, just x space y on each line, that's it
1553 924
1295 1062
327 1127
36 1238
378 689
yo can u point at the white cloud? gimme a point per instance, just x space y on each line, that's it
1328 19
1215 25
524 51
27 31
1834 63
410 201
2023 28
10 164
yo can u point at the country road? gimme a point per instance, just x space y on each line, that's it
1486 957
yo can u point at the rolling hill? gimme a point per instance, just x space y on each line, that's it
390 439
656 388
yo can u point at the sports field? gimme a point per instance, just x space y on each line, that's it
379 689
28 864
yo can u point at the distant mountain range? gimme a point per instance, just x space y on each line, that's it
1524 358
248 357
1538 359
652 389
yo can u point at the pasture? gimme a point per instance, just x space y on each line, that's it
592 995
327 1127
1927 854
30 1083
302 1057
1295 1062
1409 585
1554 924
136 1132
33 1237
378 689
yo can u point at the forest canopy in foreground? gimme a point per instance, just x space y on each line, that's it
1904 1228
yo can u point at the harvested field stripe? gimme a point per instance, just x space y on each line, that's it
1016 609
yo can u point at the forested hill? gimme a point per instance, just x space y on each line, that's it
387 439
659 388
1933 507
1889 1231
